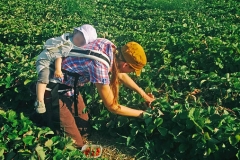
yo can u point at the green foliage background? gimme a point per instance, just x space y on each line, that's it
189 44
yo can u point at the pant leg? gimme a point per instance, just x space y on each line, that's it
82 120
67 120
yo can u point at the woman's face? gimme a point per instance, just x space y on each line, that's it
78 39
124 67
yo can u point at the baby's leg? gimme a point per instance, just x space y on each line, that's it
41 87
43 80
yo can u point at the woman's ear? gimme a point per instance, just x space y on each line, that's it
125 65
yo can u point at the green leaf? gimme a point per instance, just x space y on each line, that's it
158 121
58 154
213 140
25 152
85 110
40 133
142 129
8 80
213 146
134 131
2 151
238 154
27 81
146 115
2 113
162 131
202 81
183 147
13 135
191 116
130 140
22 116
28 140
49 143
196 113
150 128
147 145
183 115
148 120
71 147
189 124
49 132
28 133
122 121
195 135
237 137
206 136
10 155
207 152
40 152
191 113
15 123
56 139
148 90
69 144
11 116
210 128
233 140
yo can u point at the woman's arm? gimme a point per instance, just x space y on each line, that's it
127 81
107 97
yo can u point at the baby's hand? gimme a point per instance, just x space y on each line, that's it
58 74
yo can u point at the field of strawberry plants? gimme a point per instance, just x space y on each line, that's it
193 50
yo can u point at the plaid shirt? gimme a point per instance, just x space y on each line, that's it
89 70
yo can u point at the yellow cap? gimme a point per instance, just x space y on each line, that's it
135 56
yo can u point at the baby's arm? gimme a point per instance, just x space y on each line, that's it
58 71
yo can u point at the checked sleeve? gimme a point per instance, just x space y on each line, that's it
98 73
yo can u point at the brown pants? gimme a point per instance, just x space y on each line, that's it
64 113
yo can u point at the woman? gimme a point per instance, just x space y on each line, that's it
129 58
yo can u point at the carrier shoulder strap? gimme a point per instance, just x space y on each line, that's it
75 96
91 54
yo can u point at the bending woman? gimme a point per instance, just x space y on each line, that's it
129 58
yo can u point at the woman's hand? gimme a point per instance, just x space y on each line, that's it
149 98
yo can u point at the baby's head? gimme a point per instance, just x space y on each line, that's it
84 34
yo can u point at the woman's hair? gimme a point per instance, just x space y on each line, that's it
114 82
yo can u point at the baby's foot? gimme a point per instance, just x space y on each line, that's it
40 107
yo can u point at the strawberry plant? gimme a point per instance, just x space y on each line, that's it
21 139
193 71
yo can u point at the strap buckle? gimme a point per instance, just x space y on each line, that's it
89 52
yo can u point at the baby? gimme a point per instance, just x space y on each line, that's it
54 50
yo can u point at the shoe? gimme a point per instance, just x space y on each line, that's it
40 107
